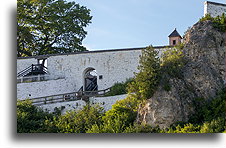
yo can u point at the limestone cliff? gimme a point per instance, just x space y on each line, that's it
202 77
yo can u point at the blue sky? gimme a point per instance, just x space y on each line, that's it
138 23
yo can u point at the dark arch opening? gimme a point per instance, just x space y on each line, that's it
90 80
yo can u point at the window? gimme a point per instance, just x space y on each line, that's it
100 77
42 62
174 42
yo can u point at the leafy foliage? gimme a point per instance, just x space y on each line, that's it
121 116
78 121
142 128
209 118
31 119
120 119
172 62
147 79
50 26
119 88
207 111
186 128
219 21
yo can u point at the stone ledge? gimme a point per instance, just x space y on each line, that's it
214 3
85 52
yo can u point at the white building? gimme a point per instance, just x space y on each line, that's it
214 9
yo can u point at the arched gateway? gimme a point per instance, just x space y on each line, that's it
90 79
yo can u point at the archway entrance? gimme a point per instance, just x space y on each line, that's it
90 80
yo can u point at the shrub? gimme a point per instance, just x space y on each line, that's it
78 121
218 22
142 128
214 126
209 110
172 62
119 88
31 119
186 128
122 115
209 117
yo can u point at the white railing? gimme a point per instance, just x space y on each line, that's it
37 78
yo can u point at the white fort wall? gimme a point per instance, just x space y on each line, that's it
214 9
24 63
45 88
105 102
113 65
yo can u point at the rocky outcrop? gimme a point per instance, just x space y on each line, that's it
202 77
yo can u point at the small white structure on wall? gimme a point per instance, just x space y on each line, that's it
214 9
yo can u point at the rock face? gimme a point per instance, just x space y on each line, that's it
202 77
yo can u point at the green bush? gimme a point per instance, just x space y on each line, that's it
31 119
172 62
122 115
214 126
186 128
78 121
141 128
209 117
209 110
218 22
119 88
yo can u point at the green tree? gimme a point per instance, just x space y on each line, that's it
50 26
147 79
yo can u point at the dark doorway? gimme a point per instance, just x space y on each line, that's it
90 80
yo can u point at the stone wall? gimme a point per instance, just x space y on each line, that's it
105 102
214 9
64 106
24 63
45 88
113 65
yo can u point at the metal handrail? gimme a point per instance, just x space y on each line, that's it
32 68
25 70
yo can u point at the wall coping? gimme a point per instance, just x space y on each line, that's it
94 51
215 3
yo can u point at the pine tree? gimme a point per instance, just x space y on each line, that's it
147 78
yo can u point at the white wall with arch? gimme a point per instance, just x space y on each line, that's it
111 66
